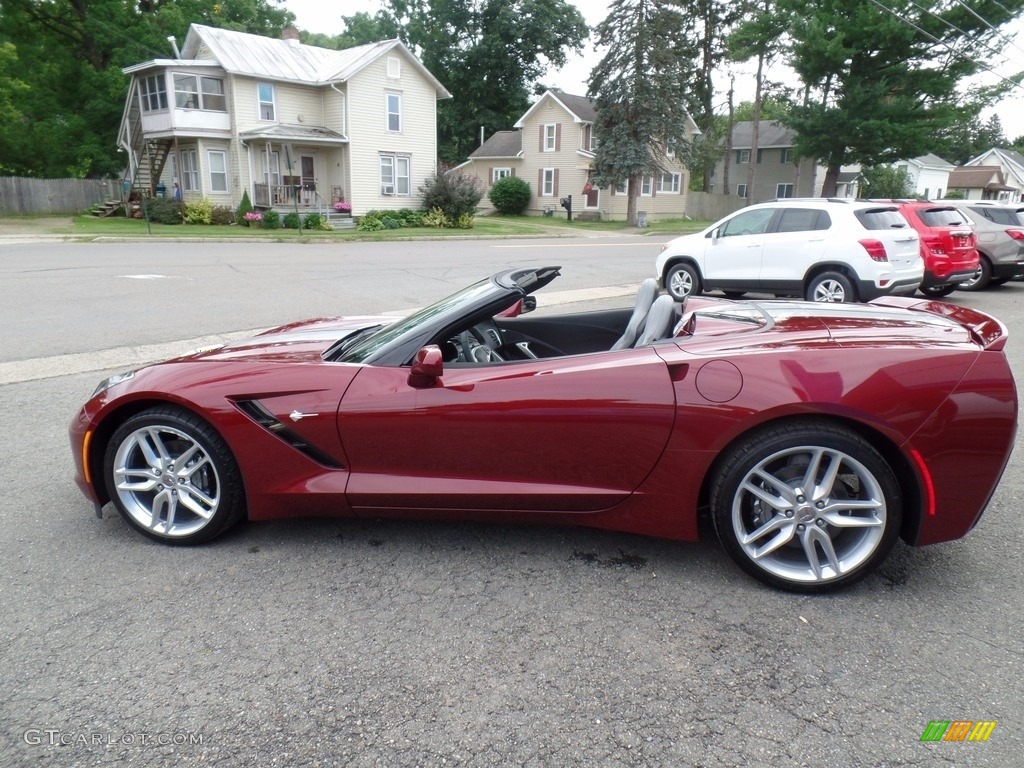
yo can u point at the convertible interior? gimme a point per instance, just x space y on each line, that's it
512 335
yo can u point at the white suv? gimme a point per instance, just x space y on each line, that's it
822 249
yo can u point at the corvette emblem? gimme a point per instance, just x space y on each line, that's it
299 416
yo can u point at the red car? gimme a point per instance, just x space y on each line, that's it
814 435
949 246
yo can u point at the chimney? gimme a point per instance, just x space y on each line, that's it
291 34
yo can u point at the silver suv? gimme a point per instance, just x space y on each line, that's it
1000 231
821 249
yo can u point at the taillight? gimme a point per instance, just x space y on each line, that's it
933 244
875 249
1016 234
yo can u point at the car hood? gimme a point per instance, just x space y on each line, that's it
304 340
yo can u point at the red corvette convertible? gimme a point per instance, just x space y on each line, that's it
812 434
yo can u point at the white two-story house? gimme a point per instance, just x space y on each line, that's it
552 149
291 124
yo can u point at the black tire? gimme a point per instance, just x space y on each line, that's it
981 278
172 502
937 291
781 535
682 281
830 287
734 294
999 280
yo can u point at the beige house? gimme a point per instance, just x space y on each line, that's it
552 149
291 124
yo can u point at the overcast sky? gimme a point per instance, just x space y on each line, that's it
312 16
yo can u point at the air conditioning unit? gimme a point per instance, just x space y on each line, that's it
387 189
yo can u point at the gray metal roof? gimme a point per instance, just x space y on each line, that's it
288 60
501 144
308 134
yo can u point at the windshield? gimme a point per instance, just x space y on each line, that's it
365 347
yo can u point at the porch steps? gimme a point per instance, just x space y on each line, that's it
341 220
109 208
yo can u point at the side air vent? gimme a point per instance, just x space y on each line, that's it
255 411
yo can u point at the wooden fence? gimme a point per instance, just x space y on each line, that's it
21 196
711 206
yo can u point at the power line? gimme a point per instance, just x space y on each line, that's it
988 24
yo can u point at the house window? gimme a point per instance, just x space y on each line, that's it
786 156
190 170
153 90
394 112
500 173
395 175
265 93
741 190
218 162
647 186
394 67
669 182
742 156
211 94
550 137
547 185
186 92
587 141
784 190
760 152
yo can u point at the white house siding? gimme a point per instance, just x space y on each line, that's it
369 136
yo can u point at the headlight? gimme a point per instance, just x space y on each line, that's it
117 378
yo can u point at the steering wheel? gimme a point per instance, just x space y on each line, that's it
476 347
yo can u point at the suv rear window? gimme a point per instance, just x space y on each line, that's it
942 217
881 218
1004 216
803 220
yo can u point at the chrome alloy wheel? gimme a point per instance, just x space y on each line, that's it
830 290
680 283
809 514
166 481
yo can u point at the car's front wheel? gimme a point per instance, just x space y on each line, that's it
173 477
980 279
830 286
807 507
682 281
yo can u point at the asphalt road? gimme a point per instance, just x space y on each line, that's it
361 643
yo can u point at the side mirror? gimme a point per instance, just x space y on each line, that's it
715 234
427 367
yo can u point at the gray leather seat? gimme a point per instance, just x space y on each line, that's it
644 300
660 321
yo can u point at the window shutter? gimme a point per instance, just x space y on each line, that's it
540 182
554 191
558 138
490 176
737 157
759 156
540 143
513 171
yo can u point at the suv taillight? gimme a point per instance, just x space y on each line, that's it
875 249
934 244
1016 234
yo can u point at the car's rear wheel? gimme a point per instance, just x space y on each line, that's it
807 507
937 291
173 477
981 278
682 281
830 287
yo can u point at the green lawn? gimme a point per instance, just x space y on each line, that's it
86 227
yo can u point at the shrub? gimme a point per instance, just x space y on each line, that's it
510 195
369 223
435 218
390 222
410 218
198 211
222 215
272 219
290 220
163 210
316 221
243 207
454 193
465 221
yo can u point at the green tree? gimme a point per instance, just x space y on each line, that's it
885 82
640 89
887 181
66 86
489 53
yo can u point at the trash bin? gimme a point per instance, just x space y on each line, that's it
641 218
161 190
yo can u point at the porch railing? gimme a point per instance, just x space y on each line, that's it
272 195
